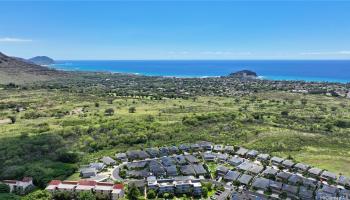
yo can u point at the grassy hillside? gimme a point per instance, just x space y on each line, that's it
14 70
57 130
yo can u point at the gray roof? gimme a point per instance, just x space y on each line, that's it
120 155
205 144
252 153
242 151
232 175
277 159
195 146
235 161
276 185
199 169
164 151
191 159
153 152
261 183
251 167
173 149
270 171
302 166
288 163
167 161
184 147
222 169
310 183
305 193
187 170
209 156
180 159
263 156
137 154
344 193
171 170
315 171
88 170
283 175
139 164
295 179
222 156
108 160
329 175
343 180
229 148
290 189
97 166
156 168
138 173
218 147
329 189
245 179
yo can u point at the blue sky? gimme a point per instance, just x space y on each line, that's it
176 30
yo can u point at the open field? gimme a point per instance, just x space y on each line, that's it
58 130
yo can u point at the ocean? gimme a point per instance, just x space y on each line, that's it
307 70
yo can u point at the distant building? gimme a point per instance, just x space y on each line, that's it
121 157
88 172
108 161
20 186
114 191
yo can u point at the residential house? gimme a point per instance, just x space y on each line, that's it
232 175
164 151
222 157
245 179
327 192
344 194
305 193
252 154
315 172
242 152
88 172
137 164
21 186
195 147
191 159
270 172
295 179
261 184
276 187
283 176
288 164
277 161
173 150
235 161
156 168
310 183
221 170
137 173
137 155
206 146
290 190
344 181
218 148
98 166
184 147
263 157
108 161
326 175
301 167
167 161
209 157
180 159
199 169
171 170
187 170
122 157
152 152
229 149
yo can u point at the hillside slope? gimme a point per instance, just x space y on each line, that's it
17 71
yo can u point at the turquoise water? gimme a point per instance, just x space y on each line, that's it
307 70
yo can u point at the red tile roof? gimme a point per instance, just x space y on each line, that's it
55 182
70 182
118 186
10 181
87 182
105 184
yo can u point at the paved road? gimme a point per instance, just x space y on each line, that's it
115 173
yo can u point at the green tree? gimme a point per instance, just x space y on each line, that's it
151 194
109 112
133 193
132 109
62 195
13 119
86 196
205 192
4 188
38 195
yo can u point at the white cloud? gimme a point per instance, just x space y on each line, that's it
14 40
326 53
